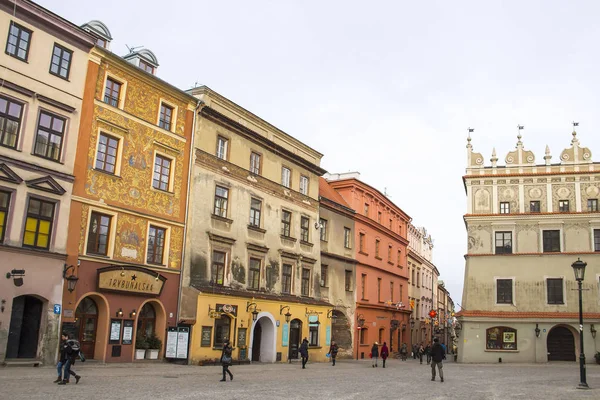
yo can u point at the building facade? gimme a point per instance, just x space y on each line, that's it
526 224
43 75
129 204
382 313
253 269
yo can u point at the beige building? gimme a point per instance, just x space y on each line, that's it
526 224
43 70
252 267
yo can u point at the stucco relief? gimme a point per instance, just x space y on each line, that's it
563 192
482 201
509 194
176 246
589 191
577 237
130 238
480 239
536 193
83 227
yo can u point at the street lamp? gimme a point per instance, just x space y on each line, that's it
254 312
360 320
537 330
579 270
287 315
71 279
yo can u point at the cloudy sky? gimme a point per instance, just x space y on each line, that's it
386 88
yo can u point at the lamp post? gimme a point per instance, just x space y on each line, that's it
360 321
579 270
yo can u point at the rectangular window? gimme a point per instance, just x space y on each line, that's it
363 336
366 209
504 291
399 258
166 116
391 222
501 338
563 205
106 157
504 208
596 239
4 204
363 286
592 205
392 292
303 185
18 41
534 206
305 281
221 196
98 234
162 173
286 279
379 290
503 242
551 240
49 136
112 92
361 242
38 226
254 274
390 253
222 147
555 290
146 66
156 245
323 229
400 293
313 334
286 223
218 267
376 247
10 122
286 175
255 163
60 64
348 280
255 208
304 228
324 282
379 216
347 238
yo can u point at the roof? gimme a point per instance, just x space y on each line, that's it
525 314
325 190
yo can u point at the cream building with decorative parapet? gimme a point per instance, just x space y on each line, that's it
527 223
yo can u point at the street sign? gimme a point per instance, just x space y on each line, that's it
57 309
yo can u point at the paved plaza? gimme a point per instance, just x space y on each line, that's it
347 380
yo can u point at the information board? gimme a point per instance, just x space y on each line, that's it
128 331
171 346
183 337
115 331
206 336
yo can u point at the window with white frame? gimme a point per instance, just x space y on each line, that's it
222 147
303 184
286 175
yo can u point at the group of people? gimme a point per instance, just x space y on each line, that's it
69 352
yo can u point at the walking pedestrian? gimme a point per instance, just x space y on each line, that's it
69 351
415 349
403 351
385 352
333 350
375 354
421 351
428 352
437 355
226 360
304 352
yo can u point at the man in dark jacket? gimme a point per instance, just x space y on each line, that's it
304 352
333 350
67 358
375 353
437 355
226 359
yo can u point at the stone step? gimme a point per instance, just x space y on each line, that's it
22 362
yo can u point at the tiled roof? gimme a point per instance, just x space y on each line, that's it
325 190
525 314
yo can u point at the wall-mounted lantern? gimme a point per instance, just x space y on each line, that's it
120 313
132 314
360 320
593 331
537 330
254 311
71 279
287 315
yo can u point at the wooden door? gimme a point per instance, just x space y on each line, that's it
24 330
295 335
87 316
561 345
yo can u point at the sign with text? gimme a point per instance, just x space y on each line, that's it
130 280
128 331
57 309
228 309
206 336
241 342
171 346
183 337
328 335
285 335
115 331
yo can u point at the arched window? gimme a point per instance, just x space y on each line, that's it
146 320
501 338
222 330
363 336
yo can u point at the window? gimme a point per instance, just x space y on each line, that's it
379 216
38 226
361 242
563 205
222 330
60 64
596 239
218 267
146 66
392 292
98 234
503 242
303 185
305 290
324 281
18 41
376 247
551 240
347 238
400 293
504 208
165 117
255 163
313 334
323 229
255 207
286 279
49 137
162 173
222 147
534 206
4 203
592 205
399 258
391 224
413 276
106 157
504 291
254 274
112 92
348 280
381 331
221 196
286 175
363 286
555 290
304 227
367 209
101 42
363 336
156 245
390 253
286 223
10 122
501 338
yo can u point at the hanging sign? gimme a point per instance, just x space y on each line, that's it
130 280
228 309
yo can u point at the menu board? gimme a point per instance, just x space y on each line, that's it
115 331
171 347
128 331
206 336
182 342
241 337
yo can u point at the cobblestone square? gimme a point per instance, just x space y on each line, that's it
347 380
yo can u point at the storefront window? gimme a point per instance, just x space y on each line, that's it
313 334
146 320
222 330
501 338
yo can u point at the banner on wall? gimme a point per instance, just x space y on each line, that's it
328 335
285 335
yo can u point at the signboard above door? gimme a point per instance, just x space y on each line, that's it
130 279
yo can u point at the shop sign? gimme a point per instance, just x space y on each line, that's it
328 335
227 309
313 319
206 336
285 335
130 280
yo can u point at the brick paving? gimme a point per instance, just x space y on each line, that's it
347 380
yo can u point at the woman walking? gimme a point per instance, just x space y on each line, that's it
375 353
226 360
333 350
304 352
385 352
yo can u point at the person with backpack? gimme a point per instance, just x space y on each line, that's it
69 351
226 359
385 352
437 355
304 352
375 353
333 350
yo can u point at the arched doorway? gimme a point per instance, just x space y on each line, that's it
561 344
256 342
86 315
24 330
263 339
295 338
146 324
